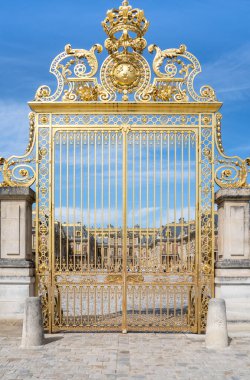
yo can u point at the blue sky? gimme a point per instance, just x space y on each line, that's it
33 32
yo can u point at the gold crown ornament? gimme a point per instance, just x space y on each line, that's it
125 20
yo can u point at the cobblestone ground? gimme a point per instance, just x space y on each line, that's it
116 356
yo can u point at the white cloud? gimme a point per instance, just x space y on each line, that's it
114 216
230 74
75 215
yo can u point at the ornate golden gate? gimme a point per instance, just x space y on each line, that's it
125 170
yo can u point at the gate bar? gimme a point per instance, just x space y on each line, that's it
124 240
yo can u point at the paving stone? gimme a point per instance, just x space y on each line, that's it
116 356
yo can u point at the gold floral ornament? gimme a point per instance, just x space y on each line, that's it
230 172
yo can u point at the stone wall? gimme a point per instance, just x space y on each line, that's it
232 270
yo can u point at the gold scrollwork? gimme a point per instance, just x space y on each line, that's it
118 278
230 172
161 55
125 70
17 172
176 82
71 72
67 282
114 278
89 55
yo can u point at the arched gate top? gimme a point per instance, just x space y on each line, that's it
125 74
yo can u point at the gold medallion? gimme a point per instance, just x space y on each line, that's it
125 74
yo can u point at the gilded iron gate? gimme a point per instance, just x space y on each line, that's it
125 195
125 169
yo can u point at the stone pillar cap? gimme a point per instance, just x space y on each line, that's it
241 194
17 193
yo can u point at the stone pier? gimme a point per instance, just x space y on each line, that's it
232 270
17 273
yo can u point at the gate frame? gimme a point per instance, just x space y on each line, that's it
207 117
